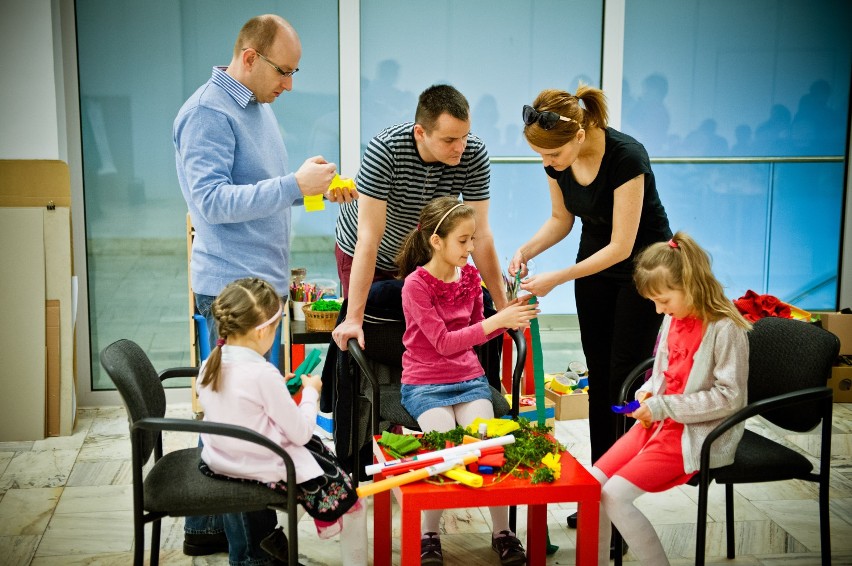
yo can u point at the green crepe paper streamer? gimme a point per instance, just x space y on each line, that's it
538 367
399 443
307 366
538 378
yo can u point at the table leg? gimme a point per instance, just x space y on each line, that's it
382 527
588 513
409 552
536 534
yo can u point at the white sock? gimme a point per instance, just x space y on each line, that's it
353 537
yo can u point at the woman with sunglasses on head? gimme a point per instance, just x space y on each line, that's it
604 178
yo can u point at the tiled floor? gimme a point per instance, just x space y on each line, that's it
68 501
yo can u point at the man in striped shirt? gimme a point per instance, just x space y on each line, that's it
404 167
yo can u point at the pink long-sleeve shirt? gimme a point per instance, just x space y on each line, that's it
443 324
253 394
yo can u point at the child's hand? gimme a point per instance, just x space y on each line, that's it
517 314
314 381
643 415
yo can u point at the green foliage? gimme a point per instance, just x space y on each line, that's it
323 305
532 443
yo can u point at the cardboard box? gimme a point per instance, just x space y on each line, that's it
841 382
569 406
529 411
841 326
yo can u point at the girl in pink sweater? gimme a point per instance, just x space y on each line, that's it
239 386
443 383
699 379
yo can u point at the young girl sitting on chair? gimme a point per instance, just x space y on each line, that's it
443 383
699 379
238 386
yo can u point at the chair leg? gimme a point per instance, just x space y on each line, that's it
701 525
824 524
139 542
155 542
729 519
618 545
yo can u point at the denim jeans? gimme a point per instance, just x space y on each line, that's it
244 530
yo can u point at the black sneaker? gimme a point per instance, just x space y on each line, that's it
430 550
572 521
509 549
204 544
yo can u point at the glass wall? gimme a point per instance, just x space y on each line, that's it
742 106
729 80
138 62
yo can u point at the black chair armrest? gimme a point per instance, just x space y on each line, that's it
633 377
178 372
222 429
754 409
517 374
358 355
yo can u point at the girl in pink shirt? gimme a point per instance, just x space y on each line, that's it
239 386
443 383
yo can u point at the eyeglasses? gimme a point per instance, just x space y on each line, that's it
281 72
547 120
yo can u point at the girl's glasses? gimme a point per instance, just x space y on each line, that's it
545 119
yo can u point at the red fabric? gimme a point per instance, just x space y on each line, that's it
754 307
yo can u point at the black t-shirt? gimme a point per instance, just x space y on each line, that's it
624 158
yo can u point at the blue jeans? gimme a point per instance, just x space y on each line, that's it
244 530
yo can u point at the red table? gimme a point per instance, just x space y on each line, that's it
575 484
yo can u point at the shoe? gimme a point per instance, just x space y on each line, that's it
276 545
430 550
509 549
204 544
572 521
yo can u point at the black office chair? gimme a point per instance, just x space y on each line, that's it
174 486
789 364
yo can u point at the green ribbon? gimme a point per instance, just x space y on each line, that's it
538 367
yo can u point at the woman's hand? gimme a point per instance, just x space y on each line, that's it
541 284
517 264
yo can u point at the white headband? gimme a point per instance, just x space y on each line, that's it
438 225
271 320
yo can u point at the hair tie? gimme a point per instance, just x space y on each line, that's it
438 225
673 244
418 226
220 342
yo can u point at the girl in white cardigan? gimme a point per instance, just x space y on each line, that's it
699 379
239 386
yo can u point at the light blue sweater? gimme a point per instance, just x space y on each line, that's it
233 172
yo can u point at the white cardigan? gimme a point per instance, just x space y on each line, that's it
715 389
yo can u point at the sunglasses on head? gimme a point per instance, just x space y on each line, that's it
545 119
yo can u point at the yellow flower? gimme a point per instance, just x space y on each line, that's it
551 460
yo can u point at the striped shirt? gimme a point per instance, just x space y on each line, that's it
393 171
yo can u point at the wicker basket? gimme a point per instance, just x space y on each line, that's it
319 321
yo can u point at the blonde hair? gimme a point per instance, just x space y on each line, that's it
595 115
239 308
438 217
681 264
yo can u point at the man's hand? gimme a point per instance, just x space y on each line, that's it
346 330
315 175
342 194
